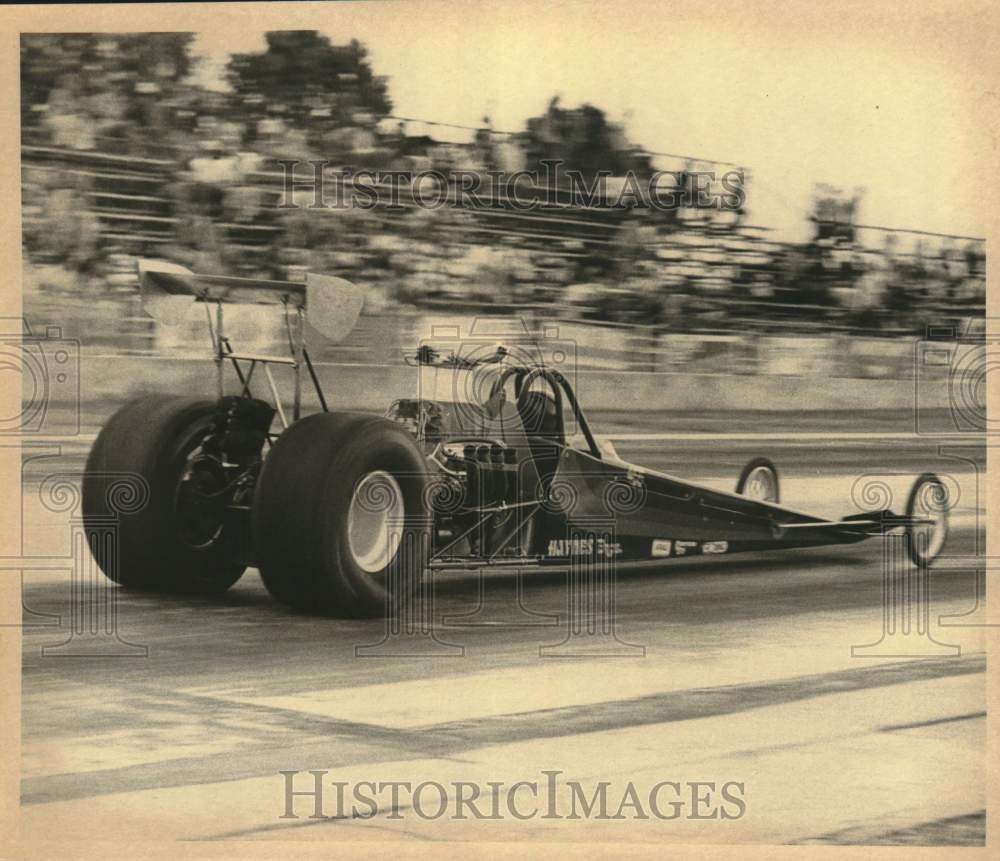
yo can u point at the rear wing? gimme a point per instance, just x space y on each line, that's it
331 305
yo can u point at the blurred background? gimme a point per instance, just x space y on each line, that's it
132 146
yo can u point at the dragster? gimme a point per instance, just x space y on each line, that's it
491 463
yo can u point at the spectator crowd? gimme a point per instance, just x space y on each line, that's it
132 158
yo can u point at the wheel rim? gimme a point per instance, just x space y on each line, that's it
374 521
761 484
930 503
199 509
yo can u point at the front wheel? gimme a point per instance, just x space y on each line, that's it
340 516
927 503
759 480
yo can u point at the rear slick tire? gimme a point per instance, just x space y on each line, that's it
340 516
143 451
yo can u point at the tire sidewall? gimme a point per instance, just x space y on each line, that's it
150 438
390 450
301 505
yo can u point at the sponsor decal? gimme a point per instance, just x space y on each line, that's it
661 547
715 547
562 547
668 547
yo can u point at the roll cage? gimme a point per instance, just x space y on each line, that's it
524 377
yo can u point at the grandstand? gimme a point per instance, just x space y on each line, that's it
171 171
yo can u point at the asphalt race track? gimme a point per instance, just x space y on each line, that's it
720 670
